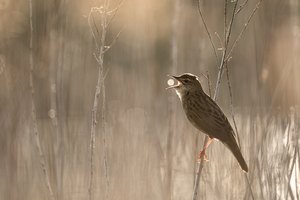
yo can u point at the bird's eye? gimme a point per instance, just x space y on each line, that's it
185 81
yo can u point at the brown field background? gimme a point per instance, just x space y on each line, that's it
144 146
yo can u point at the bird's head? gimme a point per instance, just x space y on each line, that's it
186 82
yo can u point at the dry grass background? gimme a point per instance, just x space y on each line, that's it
151 148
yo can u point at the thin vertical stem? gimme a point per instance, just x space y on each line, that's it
33 109
100 87
104 25
243 29
234 123
207 31
226 42
225 20
296 173
227 34
171 105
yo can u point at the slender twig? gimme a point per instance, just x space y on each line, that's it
207 31
289 191
296 173
92 29
224 59
208 83
231 104
33 109
200 167
244 29
234 123
201 164
94 112
104 27
114 12
229 29
101 48
107 47
220 41
100 86
259 173
225 21
171 106
198 173
226 42
241 7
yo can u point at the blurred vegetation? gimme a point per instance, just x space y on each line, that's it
151 147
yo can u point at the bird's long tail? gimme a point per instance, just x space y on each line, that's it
234 148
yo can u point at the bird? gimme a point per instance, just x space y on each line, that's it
205 114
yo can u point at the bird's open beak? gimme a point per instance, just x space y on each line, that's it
175 85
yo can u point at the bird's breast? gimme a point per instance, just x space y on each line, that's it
195 110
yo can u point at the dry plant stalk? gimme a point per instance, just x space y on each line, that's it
106 16
171 106
33 109
223 63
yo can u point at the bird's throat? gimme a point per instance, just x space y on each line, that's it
180 92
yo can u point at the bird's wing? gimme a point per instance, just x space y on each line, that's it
211 120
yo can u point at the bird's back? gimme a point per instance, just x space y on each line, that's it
206 115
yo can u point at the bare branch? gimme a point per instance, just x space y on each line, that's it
114 12
229 29
220 41
225 23
92 29
224 59
100 87
241 7
234 123
207 31
208 82
244 28
227 37
113 41
198 173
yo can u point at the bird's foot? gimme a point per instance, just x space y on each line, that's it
202 155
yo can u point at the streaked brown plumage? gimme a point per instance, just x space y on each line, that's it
205 114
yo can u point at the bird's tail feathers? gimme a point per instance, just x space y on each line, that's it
234 148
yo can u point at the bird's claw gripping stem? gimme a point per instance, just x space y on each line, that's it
202 155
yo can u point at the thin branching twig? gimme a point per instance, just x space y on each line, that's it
114 12
198 173
171 106
208 83
231 104
207 31
227 36
244 29
107 47
225 58
234 123
106 17
100 47
241 7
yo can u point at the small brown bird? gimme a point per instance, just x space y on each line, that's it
206 115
